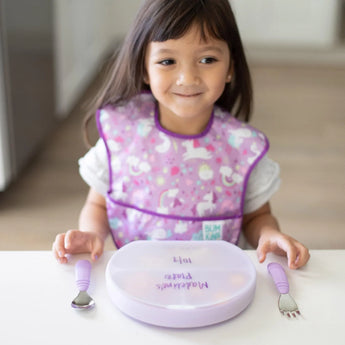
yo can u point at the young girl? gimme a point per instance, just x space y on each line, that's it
172 163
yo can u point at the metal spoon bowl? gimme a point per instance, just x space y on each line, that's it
83 301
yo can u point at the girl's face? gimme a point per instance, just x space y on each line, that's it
187 76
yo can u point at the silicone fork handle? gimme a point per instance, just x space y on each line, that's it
82 274
279 277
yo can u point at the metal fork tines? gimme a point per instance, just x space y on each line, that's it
286 304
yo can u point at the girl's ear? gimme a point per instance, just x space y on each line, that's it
146 78
230 72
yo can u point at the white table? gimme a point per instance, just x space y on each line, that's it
36 292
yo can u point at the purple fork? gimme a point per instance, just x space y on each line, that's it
286 303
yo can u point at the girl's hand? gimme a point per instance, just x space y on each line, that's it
281 244
76 241
261 230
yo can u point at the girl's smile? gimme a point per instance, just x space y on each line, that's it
187 76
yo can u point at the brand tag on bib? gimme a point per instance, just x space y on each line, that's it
213 230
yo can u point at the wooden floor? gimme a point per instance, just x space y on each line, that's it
300 108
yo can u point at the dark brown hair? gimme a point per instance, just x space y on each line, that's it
161 20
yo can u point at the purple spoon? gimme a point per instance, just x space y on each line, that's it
82 278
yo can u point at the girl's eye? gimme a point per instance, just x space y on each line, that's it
208 60
167 62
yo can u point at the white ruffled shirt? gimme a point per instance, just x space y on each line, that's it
263 182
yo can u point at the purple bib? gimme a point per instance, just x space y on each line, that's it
167 186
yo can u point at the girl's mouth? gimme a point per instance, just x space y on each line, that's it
188 95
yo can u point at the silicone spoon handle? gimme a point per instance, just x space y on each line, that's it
279 277
82 274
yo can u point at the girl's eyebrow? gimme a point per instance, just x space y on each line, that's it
164 51
200 50
211 48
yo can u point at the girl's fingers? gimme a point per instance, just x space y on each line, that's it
297 254
59 244
262 250
77 241
97 250
292 256
292 251
303 255
59 248
67 243
71 240
95 255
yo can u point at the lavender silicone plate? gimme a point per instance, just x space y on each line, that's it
181 284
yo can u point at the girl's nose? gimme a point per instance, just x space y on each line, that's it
187 76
